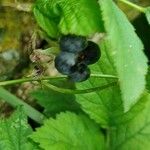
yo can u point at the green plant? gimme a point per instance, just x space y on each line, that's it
108 111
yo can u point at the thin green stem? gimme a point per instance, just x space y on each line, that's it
74 91
139 8
14 101
17 81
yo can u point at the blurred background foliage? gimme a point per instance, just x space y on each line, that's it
16 28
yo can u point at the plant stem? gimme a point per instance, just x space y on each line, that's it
139 8
103 76
26 7
14 101
11 82
74 91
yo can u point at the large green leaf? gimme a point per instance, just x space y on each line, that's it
135 133
80 17
14 132
102 106
147 13
69 132
73 16
126 51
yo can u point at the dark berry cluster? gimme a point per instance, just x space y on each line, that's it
75 56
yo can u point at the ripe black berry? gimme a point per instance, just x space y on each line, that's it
91 54
64 62
80 72
75 56
72 43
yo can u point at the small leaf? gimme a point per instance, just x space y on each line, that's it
126 51
134 134
14 132
69 132
73 16
55 102
147 13
46 24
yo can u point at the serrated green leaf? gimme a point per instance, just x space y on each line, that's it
147 13
126 50
102 106
69 132
14 132
80 17
105 106
73 16
135 133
